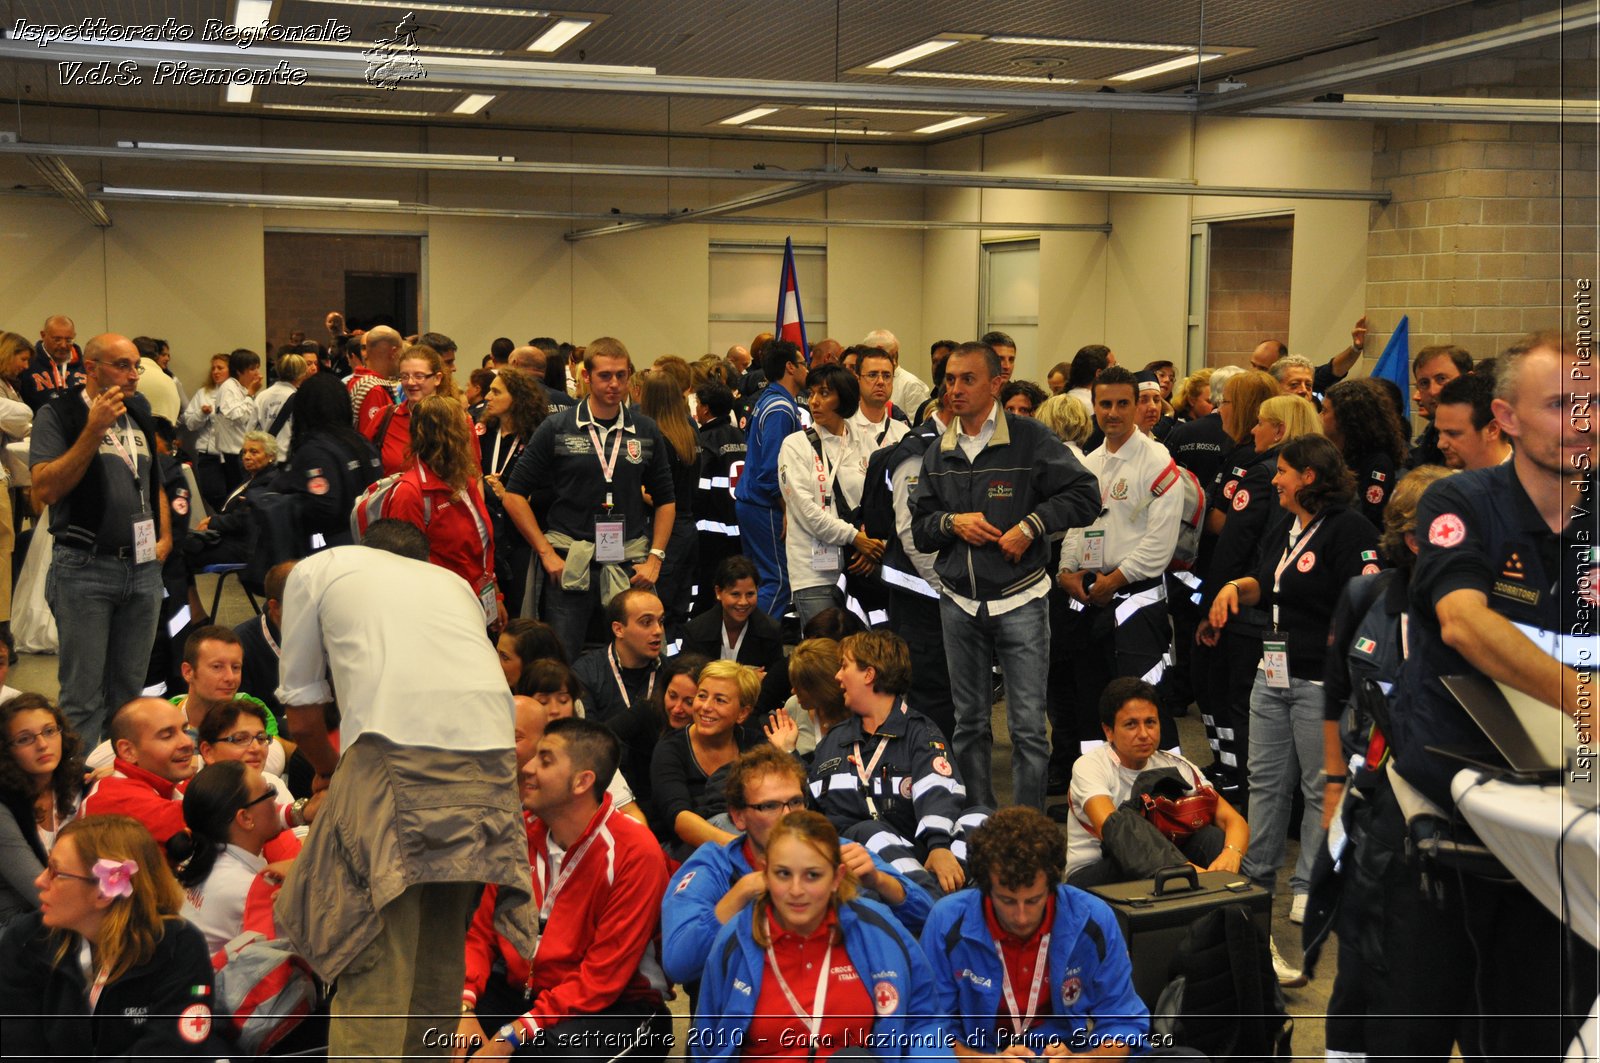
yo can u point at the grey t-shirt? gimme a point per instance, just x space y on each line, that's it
123 497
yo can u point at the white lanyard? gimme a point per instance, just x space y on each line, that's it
813 1022
1289 554
266 633
607 468
466 499
569 865
616 673
864 771
124 450
1021 1020
495 465
237 491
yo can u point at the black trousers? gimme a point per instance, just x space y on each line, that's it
1103 647
217 475
915 618
626 1028
1472 961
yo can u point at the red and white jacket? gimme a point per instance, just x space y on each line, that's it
600 941
157 803
456 540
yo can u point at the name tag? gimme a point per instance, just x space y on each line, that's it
1275 659
824 557
1094 551
488 597
144 539
609 535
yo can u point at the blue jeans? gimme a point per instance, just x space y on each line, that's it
1017 639
809 601
1285 744
106 610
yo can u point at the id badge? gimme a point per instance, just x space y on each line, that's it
824 557
609 536
489 598
1094 550
1275 659
144 539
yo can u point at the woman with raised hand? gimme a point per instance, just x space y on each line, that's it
107 967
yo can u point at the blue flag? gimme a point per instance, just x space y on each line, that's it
1395 364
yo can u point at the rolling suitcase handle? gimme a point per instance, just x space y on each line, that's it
1177 871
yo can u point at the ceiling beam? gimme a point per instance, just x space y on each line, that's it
503 74
1539 27
779 194
917 178
284 203
1572 112
66 184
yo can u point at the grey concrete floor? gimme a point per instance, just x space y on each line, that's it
1308 1004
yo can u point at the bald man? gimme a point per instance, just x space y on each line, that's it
1327 374
534 361
908 393
92 457
825 352
373 385
154 753
57 366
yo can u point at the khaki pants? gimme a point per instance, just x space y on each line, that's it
8 546
401 996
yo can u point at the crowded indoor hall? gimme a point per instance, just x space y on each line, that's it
1069 533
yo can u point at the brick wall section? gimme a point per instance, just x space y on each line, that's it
305 274
1247 299
1491 224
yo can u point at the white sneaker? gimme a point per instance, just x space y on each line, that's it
1297 908
1289 976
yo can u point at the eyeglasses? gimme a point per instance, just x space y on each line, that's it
269 795
123 366
28 738
767 808
51 873
245 738
416 378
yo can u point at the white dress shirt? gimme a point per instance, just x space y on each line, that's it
908 392
1141 531
268 405
216 906
403 643
233 413
875 435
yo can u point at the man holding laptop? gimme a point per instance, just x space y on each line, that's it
1504 570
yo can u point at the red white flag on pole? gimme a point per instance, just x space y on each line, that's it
791 324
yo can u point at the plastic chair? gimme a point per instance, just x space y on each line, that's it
222 572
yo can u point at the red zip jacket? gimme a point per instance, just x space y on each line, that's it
455 540
600 943
158 804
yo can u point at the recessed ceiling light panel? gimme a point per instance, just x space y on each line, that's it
1166 67
559 35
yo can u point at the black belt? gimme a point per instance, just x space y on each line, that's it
122 553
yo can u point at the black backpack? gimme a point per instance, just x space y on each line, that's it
876 511
1223 997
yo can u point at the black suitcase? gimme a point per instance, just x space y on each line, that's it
1155 914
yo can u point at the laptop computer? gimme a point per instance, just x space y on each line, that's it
1528 734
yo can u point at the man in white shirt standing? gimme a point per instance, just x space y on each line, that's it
423 807
222 424
1114 569
909 393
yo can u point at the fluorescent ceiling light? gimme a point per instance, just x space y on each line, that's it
749 116
1165 67
398 86
871 110
951 123
251 13
452 9
348 110
155 145
954 76
240 93
243 198
474 103
912 54
1069 42
422 49
1506 102
559 35
821 132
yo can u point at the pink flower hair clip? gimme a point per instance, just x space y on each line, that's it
116 877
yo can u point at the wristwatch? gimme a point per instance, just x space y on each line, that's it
658 554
